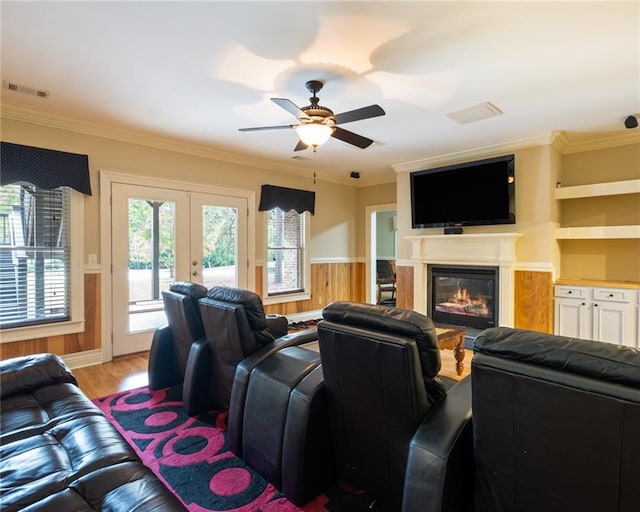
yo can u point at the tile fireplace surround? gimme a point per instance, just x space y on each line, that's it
485 249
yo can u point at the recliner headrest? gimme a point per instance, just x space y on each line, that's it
393 321
188 288
194 291
593 359
253 308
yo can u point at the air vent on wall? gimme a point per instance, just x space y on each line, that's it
24 89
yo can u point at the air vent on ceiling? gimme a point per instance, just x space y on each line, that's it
475 113
24 89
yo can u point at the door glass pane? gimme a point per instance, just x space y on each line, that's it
219 246
151 261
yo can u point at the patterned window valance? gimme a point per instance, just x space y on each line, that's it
287 199
44 168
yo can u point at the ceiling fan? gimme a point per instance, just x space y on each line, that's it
317 123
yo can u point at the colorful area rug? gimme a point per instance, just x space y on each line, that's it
191 456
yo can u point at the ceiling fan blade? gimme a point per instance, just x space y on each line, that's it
290 107
259 128
351 138
300 146
359 113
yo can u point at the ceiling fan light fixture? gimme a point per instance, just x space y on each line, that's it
314 134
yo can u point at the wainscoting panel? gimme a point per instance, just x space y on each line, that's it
329 282
69 343
533 301
404 287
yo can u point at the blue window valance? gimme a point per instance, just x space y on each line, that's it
44 168
287 199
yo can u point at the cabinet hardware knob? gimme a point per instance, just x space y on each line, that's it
584 303
569 292
595 305
611 295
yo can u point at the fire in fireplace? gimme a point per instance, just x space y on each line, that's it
463 295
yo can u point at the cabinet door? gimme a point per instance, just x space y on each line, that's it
614 323
572 318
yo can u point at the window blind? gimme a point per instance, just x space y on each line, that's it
35 255
285 252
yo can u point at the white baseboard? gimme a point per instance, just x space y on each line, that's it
81 359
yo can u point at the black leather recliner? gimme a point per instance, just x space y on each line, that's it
179 352
240 336
556 423
381 367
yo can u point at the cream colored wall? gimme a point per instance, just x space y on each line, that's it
607 260
370 196
333 228
536 171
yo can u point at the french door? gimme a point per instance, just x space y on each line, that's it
160 236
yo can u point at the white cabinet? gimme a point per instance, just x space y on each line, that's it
572 312
601 314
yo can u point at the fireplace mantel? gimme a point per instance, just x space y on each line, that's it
496 249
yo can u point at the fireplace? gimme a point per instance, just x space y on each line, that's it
480 250
463 295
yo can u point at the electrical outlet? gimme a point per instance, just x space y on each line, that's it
93 259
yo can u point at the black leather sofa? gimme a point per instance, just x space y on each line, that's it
58 452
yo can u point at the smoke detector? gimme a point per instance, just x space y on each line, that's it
25 89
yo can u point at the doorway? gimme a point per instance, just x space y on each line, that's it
161 235
381 241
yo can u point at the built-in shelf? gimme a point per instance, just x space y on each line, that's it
598 232
612 188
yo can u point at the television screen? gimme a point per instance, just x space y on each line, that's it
473 193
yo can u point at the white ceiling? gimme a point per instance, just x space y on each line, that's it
195 72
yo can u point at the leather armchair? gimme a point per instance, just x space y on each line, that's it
179 352
240 336
556 423
380 367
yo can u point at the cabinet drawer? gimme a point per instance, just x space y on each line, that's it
577 292
613 294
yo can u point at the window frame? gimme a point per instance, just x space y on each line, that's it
76 285
305 293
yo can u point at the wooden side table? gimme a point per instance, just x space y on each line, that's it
452 338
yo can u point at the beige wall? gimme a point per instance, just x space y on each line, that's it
338 228
333 228
371 196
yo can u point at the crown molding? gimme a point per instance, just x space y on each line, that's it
602 142
26 115
416 165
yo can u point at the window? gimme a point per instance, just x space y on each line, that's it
287 259
36 263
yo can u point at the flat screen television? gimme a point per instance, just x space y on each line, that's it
468 194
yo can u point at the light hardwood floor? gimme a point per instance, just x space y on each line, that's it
129 372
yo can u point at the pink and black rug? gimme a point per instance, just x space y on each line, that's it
192 457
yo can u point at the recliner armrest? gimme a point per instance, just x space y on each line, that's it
196 392
440 465
27 373
162 360
278 325
241 381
